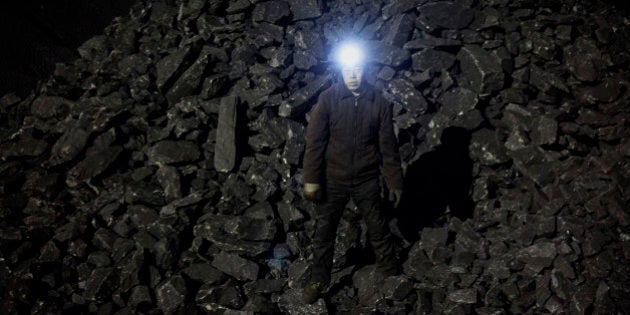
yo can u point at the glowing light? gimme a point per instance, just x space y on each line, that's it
350 54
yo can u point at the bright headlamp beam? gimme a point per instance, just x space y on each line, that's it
350 54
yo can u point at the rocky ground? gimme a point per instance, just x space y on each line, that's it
160 173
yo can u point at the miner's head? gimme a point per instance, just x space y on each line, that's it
351 61
352 77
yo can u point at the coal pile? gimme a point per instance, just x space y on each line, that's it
160 173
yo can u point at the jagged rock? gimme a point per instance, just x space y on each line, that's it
298 101
431 42
69 145
96 286
548 82
204 273
305 9
220 298
486 149
466 296
403 91
481 70
398 7
171 293
225 147
168 67
605 92
304 60
190 80
584 60
270 11
140 295
235 266
396 288
172 152
291 302
25 147
545 131
457 101
399 30
446 14
432 60
383 53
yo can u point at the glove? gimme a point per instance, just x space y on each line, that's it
312 192
394 196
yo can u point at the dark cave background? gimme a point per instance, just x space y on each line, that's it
113 199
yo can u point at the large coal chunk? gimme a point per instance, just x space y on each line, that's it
189 81
383 53
270 11
298 102
249 234
457 101
486 148
68 146
98 284
225 297
307 9
236 266
446 15
432 60
292 302
225 147
24 147
404 92
173 152
51 107
399 30
171 294
481 70
584 60
171 66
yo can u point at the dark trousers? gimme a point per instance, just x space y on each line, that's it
366 197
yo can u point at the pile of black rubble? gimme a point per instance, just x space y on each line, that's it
160 173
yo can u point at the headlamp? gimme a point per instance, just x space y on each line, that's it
350 54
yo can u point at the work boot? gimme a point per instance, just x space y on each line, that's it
312 291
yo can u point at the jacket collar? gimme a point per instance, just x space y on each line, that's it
366 91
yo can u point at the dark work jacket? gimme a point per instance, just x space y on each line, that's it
349 139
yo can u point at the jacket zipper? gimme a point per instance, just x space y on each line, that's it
354 137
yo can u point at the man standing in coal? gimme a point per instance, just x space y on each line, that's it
350 142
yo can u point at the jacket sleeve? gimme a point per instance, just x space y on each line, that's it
317 134
388 145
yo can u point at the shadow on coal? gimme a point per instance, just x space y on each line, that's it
437 186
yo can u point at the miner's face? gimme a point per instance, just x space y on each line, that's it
352 77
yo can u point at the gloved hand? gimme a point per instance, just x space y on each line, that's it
312 192
394 196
